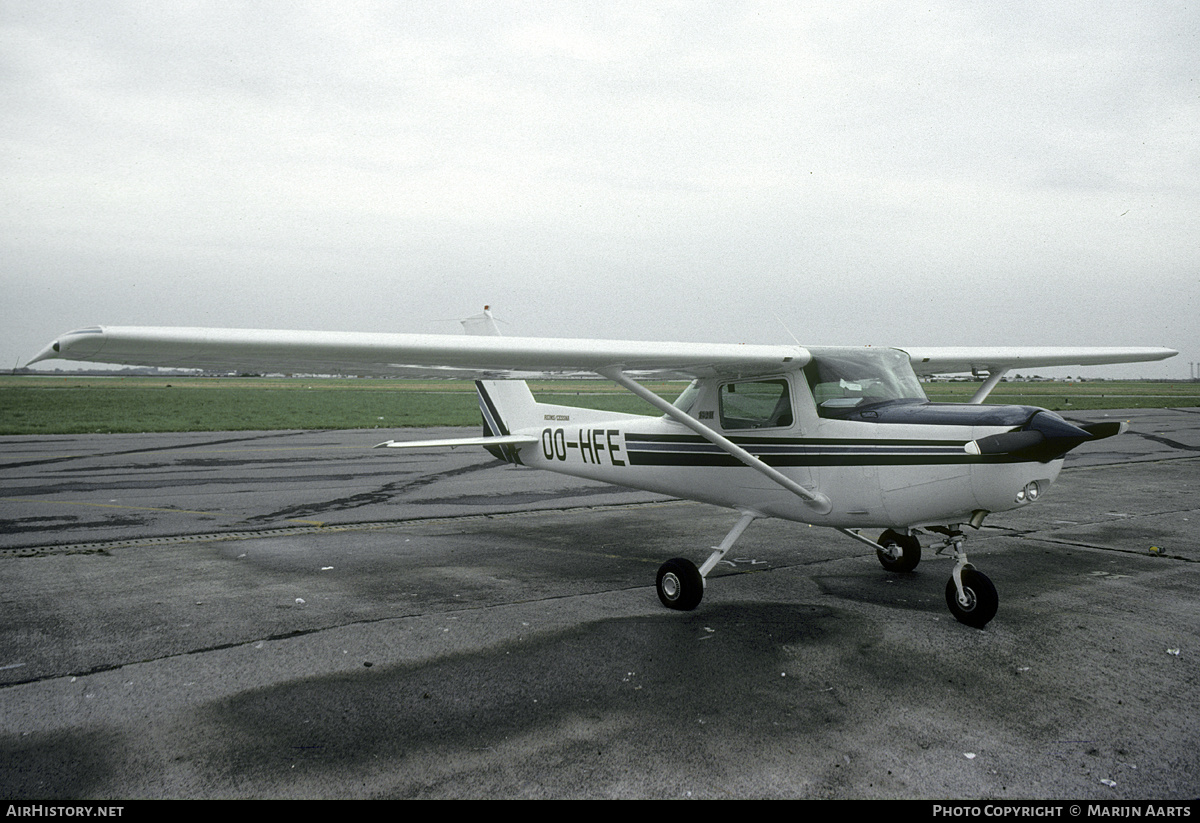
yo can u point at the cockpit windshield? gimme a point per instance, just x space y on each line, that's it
845 380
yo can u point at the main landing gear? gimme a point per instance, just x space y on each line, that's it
681 585
969 593
898 552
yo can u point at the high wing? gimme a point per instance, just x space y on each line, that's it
927 361
408 355
476 357
998 361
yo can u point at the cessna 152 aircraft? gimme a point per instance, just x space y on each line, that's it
838 437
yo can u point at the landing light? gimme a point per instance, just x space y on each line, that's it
1029 493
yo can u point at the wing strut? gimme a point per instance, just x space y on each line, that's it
989 384
814 500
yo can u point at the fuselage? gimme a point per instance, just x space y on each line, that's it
882 456
875 475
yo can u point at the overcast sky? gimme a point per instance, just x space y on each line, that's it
848 173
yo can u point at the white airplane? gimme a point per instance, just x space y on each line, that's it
840 437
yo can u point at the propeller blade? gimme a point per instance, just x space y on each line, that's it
1044 438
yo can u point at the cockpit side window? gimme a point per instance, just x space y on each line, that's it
844 381
756 404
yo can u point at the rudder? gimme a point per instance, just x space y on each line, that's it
503 404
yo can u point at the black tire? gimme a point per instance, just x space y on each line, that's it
680 585
982 596
910 551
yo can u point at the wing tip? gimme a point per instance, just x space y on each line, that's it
48 353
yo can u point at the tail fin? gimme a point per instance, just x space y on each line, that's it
499 401
482 325
503 404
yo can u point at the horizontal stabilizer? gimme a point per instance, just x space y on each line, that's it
455 442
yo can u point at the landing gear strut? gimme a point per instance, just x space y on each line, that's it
977 604
898 552
969 593
681 585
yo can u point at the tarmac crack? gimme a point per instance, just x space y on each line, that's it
1079 544
105 547
216 647
380 495
1044 535
147 450
293 634
1166 441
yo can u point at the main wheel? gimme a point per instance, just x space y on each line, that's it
898 552
982 600
680 585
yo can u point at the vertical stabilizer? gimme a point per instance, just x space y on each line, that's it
481 325
503 404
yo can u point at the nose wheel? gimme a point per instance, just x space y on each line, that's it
977 603
971 596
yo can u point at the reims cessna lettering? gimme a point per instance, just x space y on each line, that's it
838 437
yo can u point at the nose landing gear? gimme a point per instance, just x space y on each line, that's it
971 597
970 594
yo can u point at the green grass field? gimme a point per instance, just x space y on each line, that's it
34 404
1089 395
71 405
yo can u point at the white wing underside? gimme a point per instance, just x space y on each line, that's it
927 361
481 357
409 355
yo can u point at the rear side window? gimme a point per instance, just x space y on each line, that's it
756 404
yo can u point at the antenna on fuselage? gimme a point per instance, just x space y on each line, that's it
779 320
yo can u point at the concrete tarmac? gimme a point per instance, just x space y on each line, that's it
289 614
